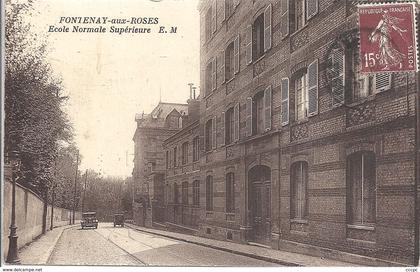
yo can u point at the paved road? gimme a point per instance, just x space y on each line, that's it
122 246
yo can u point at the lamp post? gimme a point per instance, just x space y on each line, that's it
12 255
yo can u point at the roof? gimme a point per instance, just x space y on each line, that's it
163 109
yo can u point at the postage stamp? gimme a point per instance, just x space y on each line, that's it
387 37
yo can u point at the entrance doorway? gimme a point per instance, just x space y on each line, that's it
259 203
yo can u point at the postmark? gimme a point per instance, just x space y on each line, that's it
387 37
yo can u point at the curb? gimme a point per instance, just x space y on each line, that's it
237 252
48 252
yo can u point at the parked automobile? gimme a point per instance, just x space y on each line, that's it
89 220
119 219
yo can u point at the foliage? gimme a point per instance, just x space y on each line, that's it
34 119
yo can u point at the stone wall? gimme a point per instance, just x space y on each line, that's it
29 210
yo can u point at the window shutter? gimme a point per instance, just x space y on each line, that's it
214 132
236 116
236 47
338 80
284 18
284 101
249 44
267 28
223 63
224 10
267 108
382 82
311 8
249 116
213 16
179 160
213 74
313 88
223 128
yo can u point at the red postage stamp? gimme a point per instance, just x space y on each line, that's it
387 38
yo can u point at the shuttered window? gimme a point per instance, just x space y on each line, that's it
223 62
214 16
382 82
267 28
208 135
213 74
209 193
248 48
337 61
284 18
214 132
301 97
236 54
229 62
313 88
249 116
223 128
311 8
267 108
236 125
284 101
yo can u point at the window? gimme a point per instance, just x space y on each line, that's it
258 112
175 156
301 92
180 122
230 126
298 188
196 149
300 14
185 153
185 193
258 38
167 159
176 193
230 193
229 62
360 85
209 193
209 82
306 92
361 188
209 135
196 193
208 24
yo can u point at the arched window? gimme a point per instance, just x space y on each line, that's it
230 192
209 193
361 188
196 193
185 193
258 37
298 190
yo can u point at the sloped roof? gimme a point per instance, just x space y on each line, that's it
163 109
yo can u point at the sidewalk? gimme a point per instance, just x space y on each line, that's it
39 251
261 253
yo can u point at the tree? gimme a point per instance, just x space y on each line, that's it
34 120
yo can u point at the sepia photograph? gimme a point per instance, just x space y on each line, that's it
210 134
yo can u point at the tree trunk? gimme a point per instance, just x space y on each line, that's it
45 211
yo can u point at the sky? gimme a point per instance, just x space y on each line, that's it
110 77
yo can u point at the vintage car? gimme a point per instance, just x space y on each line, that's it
89 220
119 219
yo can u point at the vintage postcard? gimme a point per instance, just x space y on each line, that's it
210 133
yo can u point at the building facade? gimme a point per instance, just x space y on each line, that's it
149 157
293 148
